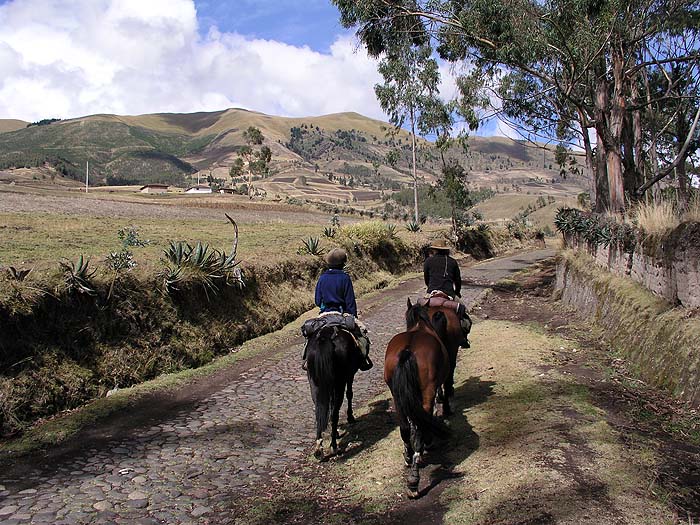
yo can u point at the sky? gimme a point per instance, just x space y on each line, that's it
70 58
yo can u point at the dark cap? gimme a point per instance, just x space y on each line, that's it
336 258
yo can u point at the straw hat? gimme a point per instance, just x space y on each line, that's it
336 258
439 244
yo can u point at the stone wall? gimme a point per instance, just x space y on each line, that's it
659 340
668 266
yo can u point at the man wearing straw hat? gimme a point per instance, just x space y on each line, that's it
441 274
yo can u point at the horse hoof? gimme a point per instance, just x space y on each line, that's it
412 492
318 454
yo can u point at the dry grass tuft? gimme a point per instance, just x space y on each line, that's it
692 214
655 218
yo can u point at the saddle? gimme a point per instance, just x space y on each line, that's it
343 321
438 299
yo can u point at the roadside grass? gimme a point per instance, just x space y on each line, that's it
56 430
528 444
655 218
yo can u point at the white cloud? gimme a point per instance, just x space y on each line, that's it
68 58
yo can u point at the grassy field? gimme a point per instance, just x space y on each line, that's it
38 239
503 207
38 228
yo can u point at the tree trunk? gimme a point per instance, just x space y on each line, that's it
615 185
653 154
613 135
630 177
602 202
639 156
590 172
415 174
682 130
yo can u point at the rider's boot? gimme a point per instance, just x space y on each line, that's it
303 355
366 362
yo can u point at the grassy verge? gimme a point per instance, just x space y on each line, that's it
660 341
529 445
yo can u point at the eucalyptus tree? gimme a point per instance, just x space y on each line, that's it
251 160
411 82
579 61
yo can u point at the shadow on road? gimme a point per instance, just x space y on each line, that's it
379 422
440 463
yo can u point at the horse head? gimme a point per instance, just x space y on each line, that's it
415 313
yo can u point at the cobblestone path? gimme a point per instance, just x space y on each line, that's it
185 467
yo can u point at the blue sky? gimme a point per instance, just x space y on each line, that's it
312 23
70 58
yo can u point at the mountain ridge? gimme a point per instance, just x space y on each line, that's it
346 149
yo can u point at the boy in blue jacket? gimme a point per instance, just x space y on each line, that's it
334 293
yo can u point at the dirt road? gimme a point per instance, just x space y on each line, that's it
233 448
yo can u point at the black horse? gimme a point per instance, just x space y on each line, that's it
333 359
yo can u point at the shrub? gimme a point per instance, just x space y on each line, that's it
366 236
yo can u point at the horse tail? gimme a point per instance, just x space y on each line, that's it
408 396
320 364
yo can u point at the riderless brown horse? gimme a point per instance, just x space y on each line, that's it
416 366
453 337
333 358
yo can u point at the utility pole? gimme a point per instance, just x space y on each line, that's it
87 174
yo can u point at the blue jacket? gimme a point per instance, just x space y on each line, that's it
334 292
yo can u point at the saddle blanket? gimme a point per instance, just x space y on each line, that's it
443 301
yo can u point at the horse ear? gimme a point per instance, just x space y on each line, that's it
408 302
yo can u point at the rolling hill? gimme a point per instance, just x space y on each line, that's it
338 158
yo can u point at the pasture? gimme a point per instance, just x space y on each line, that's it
40 227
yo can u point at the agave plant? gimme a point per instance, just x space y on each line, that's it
77 276
311 246
391 228
413 226
329 232
177 252
203 264
17 275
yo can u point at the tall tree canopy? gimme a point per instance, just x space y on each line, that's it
562 67
411 81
